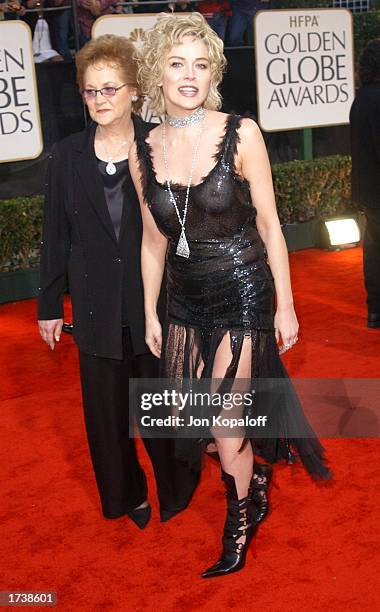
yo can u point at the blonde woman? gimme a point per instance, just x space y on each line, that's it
208 209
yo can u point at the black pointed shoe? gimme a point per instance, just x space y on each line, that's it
140 516
68 328
240 521
262 475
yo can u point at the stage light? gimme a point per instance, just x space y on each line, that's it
340 233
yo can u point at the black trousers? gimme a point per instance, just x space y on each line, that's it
371 258
120 479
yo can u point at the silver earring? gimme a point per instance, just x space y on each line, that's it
135 98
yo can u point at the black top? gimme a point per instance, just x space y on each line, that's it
226 281
365 146
115 198
113 190
208 289
219 206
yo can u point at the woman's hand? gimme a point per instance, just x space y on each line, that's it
51 331
286 326
153 336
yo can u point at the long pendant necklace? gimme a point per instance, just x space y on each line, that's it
183 249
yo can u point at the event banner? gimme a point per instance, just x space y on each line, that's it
304 68
20 127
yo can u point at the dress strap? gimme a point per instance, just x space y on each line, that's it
228 146
144 158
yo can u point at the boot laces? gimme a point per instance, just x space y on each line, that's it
238 522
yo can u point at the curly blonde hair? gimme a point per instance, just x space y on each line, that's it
168 31
115 51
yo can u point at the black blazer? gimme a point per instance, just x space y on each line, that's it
79 241
365 146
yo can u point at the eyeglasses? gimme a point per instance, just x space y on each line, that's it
107 92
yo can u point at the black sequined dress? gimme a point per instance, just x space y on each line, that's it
225 287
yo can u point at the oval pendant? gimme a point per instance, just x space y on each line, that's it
110 168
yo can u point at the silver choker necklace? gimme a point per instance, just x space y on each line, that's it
182 122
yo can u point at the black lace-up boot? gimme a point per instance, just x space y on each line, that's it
240 521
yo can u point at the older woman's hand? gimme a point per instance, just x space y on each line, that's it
153 336
51 331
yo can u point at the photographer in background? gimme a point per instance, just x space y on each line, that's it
43 26
11 10
88 12
365 152
215 12
240 25
63 28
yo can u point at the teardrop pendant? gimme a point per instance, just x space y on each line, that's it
110 168
183 246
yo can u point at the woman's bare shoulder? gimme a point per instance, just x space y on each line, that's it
249 131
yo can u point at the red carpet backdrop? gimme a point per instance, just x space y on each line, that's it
318 549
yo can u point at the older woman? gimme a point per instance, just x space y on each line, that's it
207 201
92 232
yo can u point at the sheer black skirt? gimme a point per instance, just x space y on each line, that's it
220 327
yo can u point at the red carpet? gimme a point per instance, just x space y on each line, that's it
319 548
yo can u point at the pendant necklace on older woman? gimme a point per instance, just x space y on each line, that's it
183 249
110 167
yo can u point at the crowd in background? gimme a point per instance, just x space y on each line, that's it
53 32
